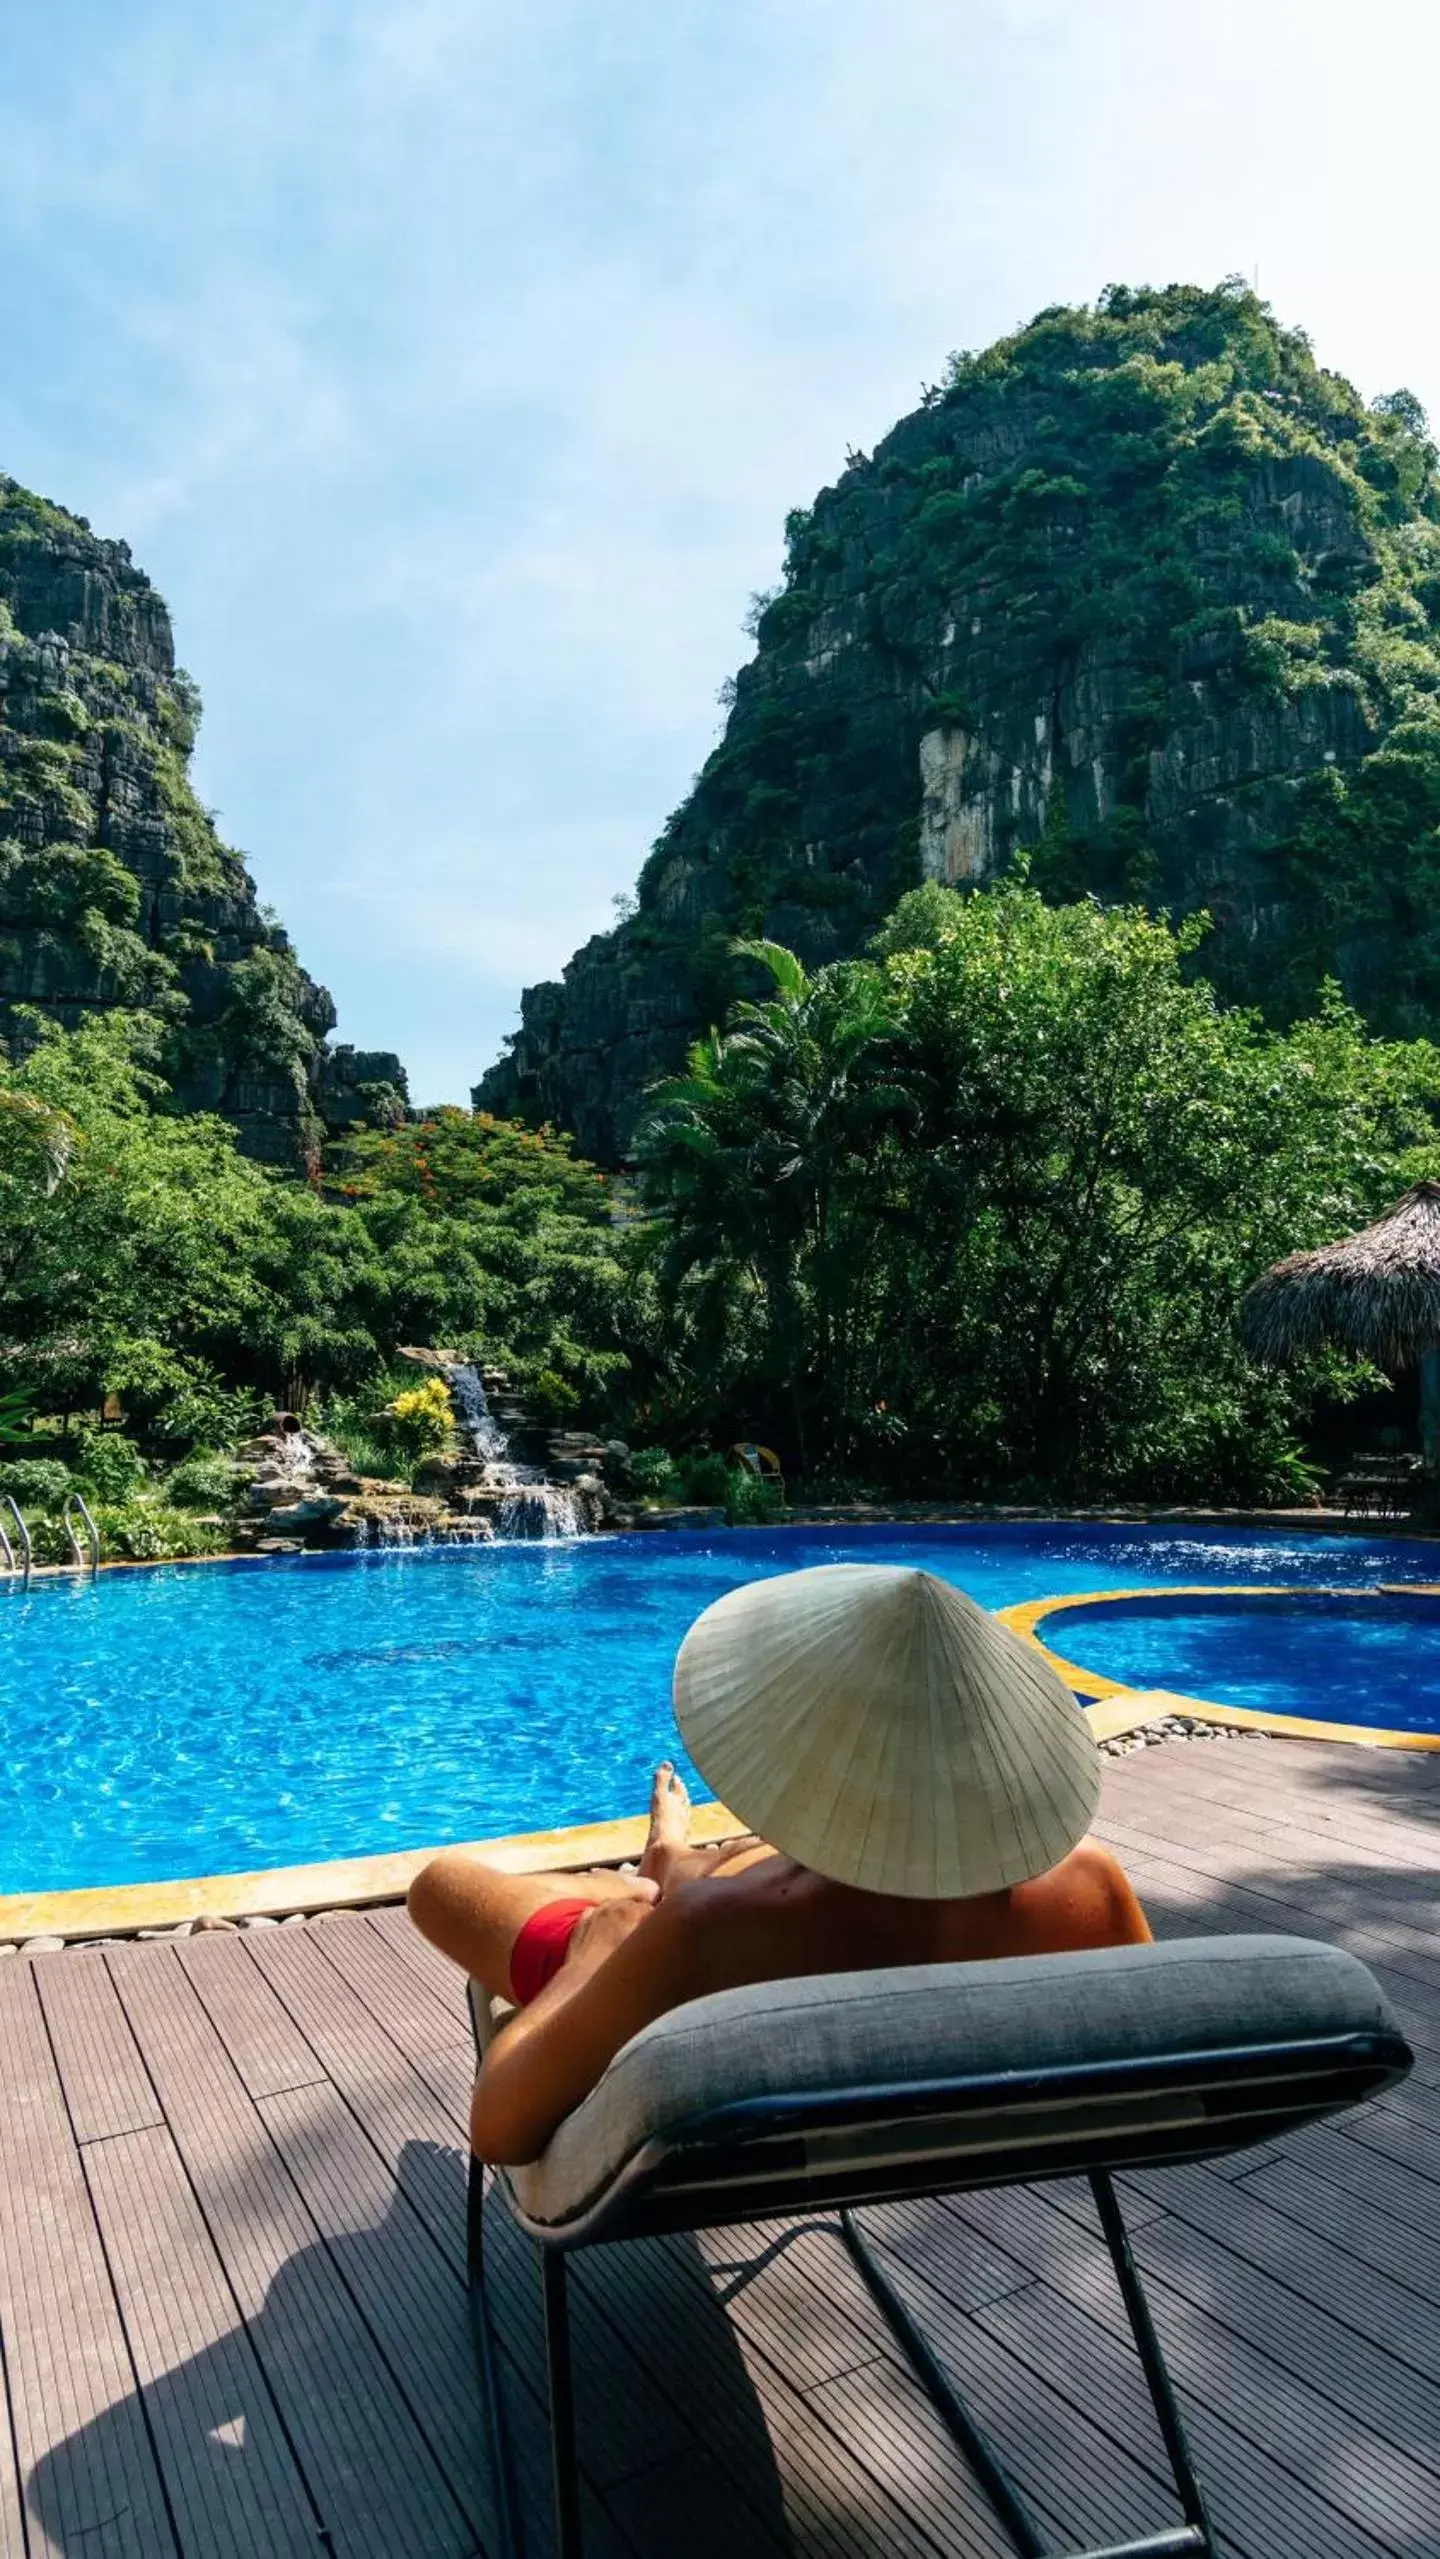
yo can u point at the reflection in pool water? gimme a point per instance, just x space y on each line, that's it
1338 1659
183 1720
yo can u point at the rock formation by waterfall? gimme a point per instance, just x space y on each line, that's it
513 1478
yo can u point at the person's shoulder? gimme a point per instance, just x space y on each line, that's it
1095 1873
1093 1859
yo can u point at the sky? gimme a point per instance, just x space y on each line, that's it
450 365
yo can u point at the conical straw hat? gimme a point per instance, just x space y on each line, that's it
873 1723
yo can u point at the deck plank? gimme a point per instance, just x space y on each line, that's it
1262 2504
1231 2370
397 2105
394 1927
411 2297
1234 2213
369 2468
431 2014
107 2086
1182 1835
1368 2180
1073 2480
1408 2252
261 2038
340 2022
1339 2366
1064 2465
1328 1796
85 2457
232 2252
1397 1899
1193 1899
233 2483
12 2518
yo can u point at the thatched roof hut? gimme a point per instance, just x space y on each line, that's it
1377 1293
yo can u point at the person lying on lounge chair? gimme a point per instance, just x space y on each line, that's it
919 1782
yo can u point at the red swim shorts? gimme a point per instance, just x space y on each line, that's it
541 1947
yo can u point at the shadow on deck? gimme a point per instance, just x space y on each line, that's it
232 2236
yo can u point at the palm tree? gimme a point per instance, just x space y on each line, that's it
37 1141
749 1158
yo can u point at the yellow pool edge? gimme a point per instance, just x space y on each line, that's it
1114 1709
345 1883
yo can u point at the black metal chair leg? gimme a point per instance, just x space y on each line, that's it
996 2481
511 2544
562 2406
1147 2343
1191 2540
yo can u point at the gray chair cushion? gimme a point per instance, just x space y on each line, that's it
940 2022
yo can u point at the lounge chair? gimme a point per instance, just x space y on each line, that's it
848 2089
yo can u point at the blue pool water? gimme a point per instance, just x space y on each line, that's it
198 1719
1345 1661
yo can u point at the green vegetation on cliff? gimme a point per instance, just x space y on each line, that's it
115 889
1142 592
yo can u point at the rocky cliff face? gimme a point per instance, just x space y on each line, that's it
115 889
1141 595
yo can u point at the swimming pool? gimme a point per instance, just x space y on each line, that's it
1368 1659
179 1720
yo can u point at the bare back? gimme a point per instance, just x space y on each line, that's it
757 1916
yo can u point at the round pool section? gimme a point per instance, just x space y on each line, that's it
1358 1658
199 1719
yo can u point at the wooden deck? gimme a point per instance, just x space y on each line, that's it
232 2258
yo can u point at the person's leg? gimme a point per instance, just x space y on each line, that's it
667 1857
474 1912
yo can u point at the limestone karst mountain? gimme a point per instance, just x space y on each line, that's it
115 888
1141 593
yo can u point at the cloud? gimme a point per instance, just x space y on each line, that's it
451 366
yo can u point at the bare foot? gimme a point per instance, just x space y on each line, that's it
669 1823
669 1808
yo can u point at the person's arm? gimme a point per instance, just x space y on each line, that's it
628 1963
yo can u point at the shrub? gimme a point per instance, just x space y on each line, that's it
109 1465
366 1452
203 1481
36 1483
152 1533
420 1419
49 1543
700 1475
752 1503
652 1472
705 1475
551 1397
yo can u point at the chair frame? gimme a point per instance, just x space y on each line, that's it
831 2152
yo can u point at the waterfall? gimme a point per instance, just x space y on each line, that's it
403 1532
531 1507
541 1510
472 1405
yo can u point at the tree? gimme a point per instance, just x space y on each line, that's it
751 1160
497 1239
127 1234
982 1206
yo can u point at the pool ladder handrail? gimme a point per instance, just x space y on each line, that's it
77 1501
27 1566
